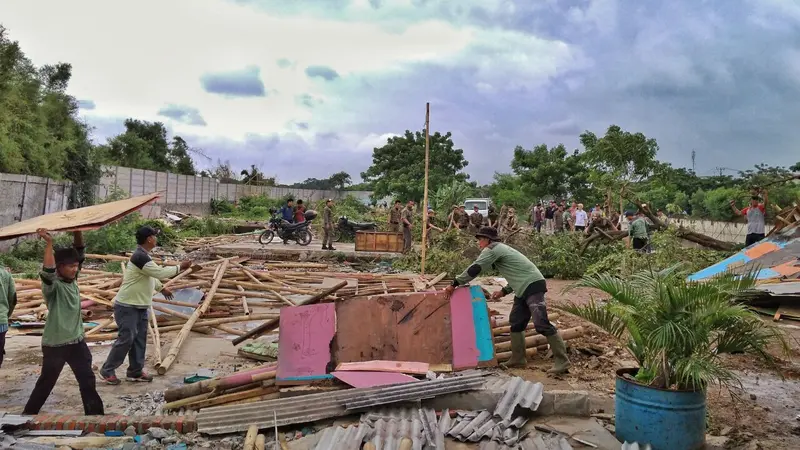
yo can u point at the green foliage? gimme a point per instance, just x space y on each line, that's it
668 250
717 203
677 330
221 206
205 226
451 194
398 168
551 172
254 176
144 145
507 190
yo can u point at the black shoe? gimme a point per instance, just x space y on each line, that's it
324 247
331 248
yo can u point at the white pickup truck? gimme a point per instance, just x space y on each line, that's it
481 203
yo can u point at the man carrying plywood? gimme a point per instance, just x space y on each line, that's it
142 278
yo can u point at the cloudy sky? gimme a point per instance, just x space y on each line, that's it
309 89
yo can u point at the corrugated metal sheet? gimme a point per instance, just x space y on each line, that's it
415 391
338 438
519 393
783 288
13 419
392 425
635 446
534 441
309 408
473 426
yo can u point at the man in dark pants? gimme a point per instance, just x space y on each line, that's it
8 300
524 279
142 279
637 231
327 226
62 339
407 219
755 214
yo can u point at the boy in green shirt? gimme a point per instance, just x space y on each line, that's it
526 281
62 339
8 300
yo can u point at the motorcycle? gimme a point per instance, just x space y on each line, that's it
347 228
286 231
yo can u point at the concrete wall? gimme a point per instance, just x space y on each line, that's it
185 189
724 231
24 197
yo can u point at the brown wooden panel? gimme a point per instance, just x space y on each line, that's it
379 241
394 327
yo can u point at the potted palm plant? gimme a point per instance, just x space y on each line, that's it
676 330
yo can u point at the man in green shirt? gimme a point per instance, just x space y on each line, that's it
526 281
142 279
62 339
637 231
8 300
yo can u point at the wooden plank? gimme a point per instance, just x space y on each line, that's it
416 368
372 379
394 327
305 335
81 219
465 348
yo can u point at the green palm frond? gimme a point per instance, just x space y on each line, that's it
678 329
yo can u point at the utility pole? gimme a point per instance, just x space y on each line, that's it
693 166
425 189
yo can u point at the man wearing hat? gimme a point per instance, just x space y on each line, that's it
63 339
475 219
529 286
142 279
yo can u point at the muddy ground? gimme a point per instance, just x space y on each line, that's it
766 410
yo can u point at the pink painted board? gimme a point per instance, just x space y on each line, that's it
462 326
372 379
304 344
418 368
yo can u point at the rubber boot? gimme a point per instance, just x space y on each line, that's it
559 349
517 352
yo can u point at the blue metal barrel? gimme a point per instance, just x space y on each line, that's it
665 419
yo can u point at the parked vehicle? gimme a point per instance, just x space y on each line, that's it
348 228
481 203
286 231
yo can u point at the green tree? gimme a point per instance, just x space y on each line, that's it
550 172
506 189
179 158
340 179
453 193
619 159
256 177
398 168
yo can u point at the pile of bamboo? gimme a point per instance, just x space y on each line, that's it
192 244
534 342
245 386
363 284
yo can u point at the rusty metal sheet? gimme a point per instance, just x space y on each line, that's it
81 219
394 327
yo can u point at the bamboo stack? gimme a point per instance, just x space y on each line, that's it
534 342
245 386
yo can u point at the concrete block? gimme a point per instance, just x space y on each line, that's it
567 403
470 401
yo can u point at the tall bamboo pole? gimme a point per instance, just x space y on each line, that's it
425 190
176 346
156 335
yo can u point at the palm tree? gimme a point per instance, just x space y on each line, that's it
676 329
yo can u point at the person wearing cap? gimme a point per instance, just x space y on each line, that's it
492 216
63 338
463 218
327 226
142 279
433 229
510 225
8 301
394 217
407 218
755 214
475 219
637 230
452 218
529 286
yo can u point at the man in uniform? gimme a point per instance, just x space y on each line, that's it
637 231
8 301
433 229
503 214
493 216
475 219
407 217
529 286
327 226
558 219
463 218
394 217
600 223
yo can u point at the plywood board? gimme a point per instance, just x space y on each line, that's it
81 219
465 348
372 379
417 368
394 327
304 342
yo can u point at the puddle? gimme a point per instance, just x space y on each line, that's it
780 396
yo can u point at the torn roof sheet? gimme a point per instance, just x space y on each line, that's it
534 441
775 258
338 438
474 426
518 392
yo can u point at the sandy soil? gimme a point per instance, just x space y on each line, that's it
768 415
